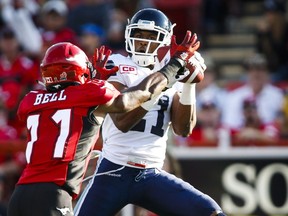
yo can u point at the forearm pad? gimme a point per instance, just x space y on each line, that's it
170 70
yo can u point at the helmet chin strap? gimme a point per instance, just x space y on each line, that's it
143 61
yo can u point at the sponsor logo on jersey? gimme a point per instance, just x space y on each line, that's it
64 210
48 79
63 76
114 175
127 69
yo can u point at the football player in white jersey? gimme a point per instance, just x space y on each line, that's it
129 169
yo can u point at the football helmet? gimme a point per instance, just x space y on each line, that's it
65 64
148 19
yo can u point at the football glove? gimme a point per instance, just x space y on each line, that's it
179 58
184 51
99 62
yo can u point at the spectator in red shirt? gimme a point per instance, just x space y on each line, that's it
254 132
18 73
205 132
6 131
11 160
269 98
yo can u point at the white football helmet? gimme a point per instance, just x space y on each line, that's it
149 19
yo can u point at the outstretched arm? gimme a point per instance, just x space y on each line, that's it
133 97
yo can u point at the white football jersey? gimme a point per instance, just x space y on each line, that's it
145 144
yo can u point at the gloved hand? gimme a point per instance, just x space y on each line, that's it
184 51
99 61
174 70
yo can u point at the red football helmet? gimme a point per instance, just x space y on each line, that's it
65 63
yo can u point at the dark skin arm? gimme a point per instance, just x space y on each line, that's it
183 117
125 121
133 97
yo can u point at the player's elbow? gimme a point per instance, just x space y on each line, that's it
122 127
124 130
121 104
184 132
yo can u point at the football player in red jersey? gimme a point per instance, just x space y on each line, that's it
62 123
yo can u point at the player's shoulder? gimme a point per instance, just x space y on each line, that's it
96 83
125 64
33 94
119 59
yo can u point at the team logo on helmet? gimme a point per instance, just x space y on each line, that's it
63 76
48 79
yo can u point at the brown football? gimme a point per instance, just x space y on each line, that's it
162 52
198 78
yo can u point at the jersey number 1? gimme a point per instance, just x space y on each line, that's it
155 129
60 116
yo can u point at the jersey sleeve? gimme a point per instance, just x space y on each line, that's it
20 112
96 92
117 77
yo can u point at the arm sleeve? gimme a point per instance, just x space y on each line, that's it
92 94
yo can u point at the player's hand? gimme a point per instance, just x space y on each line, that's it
99 61
186 49
174 70
173 45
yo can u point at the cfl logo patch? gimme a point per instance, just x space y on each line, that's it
184 55
127 69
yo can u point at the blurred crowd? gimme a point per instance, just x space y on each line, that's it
253 113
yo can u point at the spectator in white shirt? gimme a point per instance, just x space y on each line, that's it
268 98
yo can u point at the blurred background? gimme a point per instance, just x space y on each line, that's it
238 152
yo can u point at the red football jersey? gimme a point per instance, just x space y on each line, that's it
62 132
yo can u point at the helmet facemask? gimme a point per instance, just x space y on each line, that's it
163 38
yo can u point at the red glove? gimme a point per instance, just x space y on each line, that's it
173 45
186 49
99 61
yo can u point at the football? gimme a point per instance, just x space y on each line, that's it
196 67
194 76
